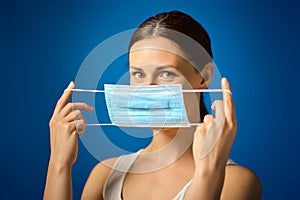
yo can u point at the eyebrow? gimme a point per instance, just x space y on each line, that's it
136 68
159 68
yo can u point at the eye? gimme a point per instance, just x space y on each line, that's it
167 74
138 75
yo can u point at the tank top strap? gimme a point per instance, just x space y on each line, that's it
113 185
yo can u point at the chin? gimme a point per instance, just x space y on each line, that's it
165 129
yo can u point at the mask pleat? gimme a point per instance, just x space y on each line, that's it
146 105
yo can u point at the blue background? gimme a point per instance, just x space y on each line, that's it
255 45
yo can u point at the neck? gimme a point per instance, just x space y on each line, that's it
175 138
167 146
161 138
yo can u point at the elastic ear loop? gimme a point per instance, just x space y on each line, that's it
112 124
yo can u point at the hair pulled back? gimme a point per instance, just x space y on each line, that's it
166 25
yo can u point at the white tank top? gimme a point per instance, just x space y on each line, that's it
113 186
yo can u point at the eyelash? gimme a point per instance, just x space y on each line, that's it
171 74
135 73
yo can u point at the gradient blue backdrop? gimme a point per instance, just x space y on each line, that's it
43 43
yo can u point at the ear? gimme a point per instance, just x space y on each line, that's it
206 74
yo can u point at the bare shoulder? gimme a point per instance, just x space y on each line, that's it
94 185
241 183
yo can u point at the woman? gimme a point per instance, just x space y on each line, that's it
164 50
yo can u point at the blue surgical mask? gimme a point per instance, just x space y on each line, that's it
146 106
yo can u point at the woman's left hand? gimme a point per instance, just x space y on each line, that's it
214 137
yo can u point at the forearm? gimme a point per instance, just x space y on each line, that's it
58 183
206 184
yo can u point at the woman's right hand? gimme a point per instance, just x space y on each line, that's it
66 124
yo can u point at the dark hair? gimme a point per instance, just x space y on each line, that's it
173 25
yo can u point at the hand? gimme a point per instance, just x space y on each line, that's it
66 124
214 137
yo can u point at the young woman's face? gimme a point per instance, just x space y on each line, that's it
151 64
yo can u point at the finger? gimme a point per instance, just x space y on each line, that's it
218 107
200 132
64 99
80 126
82 106
207 119
75 106
228 100
75 115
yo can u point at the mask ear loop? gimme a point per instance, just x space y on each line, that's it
84 90
92 91
189 90
208 91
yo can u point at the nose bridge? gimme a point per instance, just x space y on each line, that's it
152 80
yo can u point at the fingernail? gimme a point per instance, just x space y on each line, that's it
224 81
70 84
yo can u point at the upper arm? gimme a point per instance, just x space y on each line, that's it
241 183
93 188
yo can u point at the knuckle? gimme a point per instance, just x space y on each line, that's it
52 121
59 123
230 125
78 113
77 122
69 105
59 102
80 125
68 127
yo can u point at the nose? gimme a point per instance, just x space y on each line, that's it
147 79
150 80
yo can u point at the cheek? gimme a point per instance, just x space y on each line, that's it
133 81
192 79
191 101
187 84
136 81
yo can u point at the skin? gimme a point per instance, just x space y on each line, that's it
211 177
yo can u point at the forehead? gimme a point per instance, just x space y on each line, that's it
157 51
154 57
